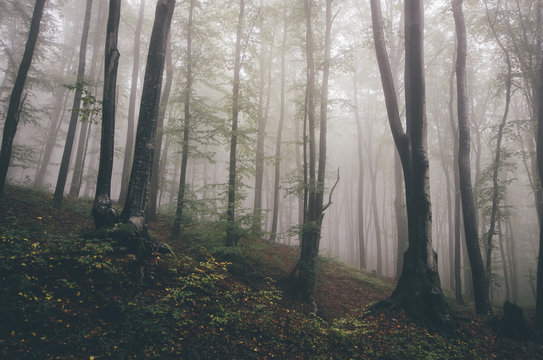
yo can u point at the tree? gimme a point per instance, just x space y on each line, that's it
186 128
539 155
129 146
314 212
418 290
480 281
70 137
165 98
84 133
231 236
102 210
15 101
140 176
277 172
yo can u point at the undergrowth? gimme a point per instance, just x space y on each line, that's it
65 296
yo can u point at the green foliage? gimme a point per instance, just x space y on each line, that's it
90 106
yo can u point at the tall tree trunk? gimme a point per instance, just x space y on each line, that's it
77 177
539 154
186 135
513 260
15 103
129 146
277 165
231 233
259 160
311 231
70 137
156 175
102 210
360 202
144 150
497 158
418 290
480 280
456 190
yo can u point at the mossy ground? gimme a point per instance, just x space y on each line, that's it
67 296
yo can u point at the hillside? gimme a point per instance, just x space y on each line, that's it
64 295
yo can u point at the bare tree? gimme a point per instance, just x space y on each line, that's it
15 102
70 137
231 234
186 128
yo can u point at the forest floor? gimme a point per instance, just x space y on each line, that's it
64 295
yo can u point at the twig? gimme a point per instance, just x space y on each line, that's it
331 192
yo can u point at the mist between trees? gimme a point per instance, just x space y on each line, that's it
272 118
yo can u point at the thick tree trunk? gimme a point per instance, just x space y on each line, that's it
186 135
156 175
129 146
418 290
277 165
231 233
70 137
102 210
480 279
15 103
144 151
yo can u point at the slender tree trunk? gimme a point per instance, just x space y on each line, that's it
231 236
360 203
539 154
277 173
156 175
480 279
70 137
504 264
102 210
497 159
513 261
186 129
15 102
144 150
77 177
129 146
315 211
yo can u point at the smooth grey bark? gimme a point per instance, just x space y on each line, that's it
231 233
156 175
176 230
418 290
103 213
278 143
72 126
479 278
15 101
129 145
144 150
